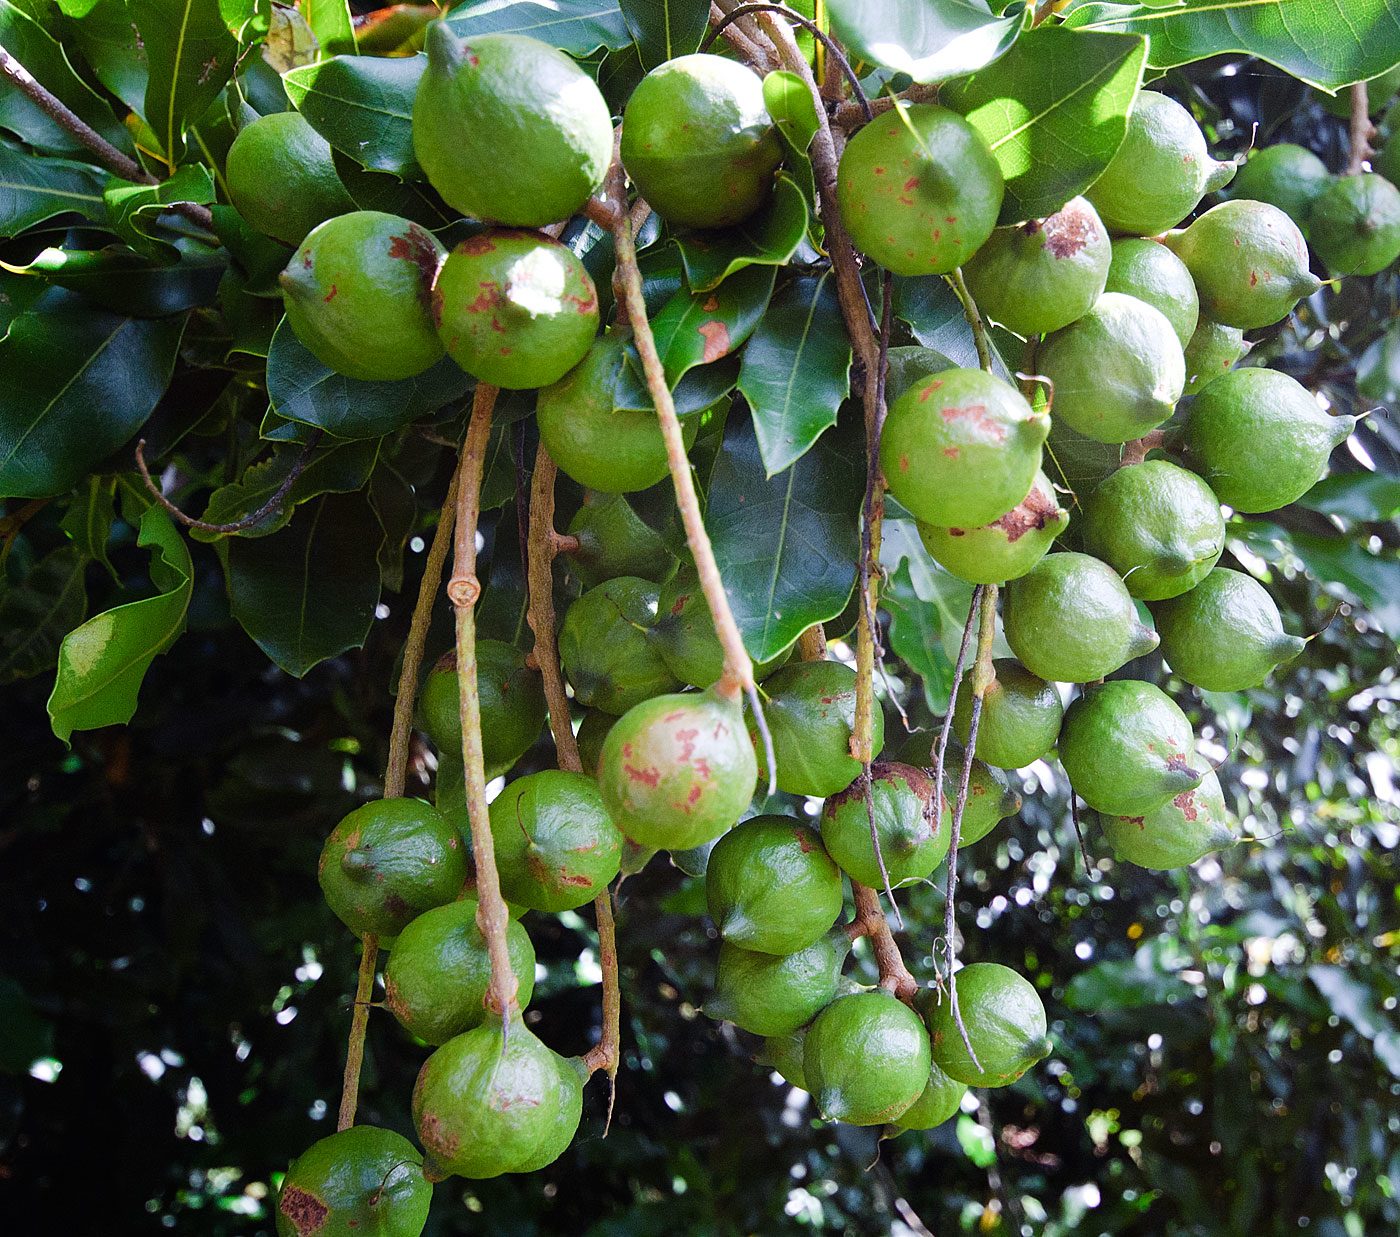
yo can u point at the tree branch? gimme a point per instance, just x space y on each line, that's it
870 921
359 1023
1361 130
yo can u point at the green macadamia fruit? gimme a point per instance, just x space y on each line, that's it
281 179
607 647
358 295
698 143
1283 175
961 448
1214 350
940 1100
1118 371
1006 548
621 535
1156 276
1188 827
512 705
914 832
1071 619
775 994
509 130
1226 634
1157 525
388 861
1355 225
357 1182
1260 439
515 309
1020 717
1004 1018
1128 748
1160 172
1037 277
919 191
685 634
866 1059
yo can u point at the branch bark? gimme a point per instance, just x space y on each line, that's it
1361 130
359 1024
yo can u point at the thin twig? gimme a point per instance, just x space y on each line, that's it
1079 833
269 508
851 115
894 975
756 55
359 1023
974 318
1361 130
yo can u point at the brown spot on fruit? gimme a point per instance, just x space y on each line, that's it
952 452
978 416
477 245
418 247
1068 231
957 532
1253 279
911 183
674 715
1186 804
1032 514
331 295
716 341
304 1211
803 840
686 738
567 879
903 463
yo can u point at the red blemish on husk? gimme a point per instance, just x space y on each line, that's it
331 295
903 463
911 183
679 605
693 797
957 532
673 716
475 245
416 246
305 1212
803 840
1032 514
648 777
977 414
686 738
1139 821
952 452
1253 278
716 341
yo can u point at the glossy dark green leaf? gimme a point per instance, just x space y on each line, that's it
102 663
303 389
1369 497
109 42
786 545
135 210
796 369
17 294
696 328
25 34
75 383
930 40
34 189
393 502
1053 110
699 389
412 199
190 56
768 238
1115 984
1339 562
664 29
88 520
309 592
1328 43
935 316
331 23
37 610
363 106
1077 463
127 282
790 105
573 26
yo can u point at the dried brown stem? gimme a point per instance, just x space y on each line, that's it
359 1023
811 644
733 33
894 975
850 115
1136 451
1361 130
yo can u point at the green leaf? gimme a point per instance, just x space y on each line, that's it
664 29
935 316
1373 579
75 383
698 390
23 35
1125 984
573 26
786 545
1378 371
696 328
930 40
1354 999
331 23
300 388
126 282
768 238
101 664
1054 110
110 44
1327 43
1077 463
309 593
17 294
191 55
135 209
1369 497
363 106
796 369
88 520
34 189
38 610
790 105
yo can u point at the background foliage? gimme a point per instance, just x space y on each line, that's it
173 991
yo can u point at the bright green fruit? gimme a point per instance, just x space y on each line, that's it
1225 635
677 771
774 995
358 1182
913 837
617 536
1386 161
512 705
1214 350
1036 277
556 846
1005 1021
1260 439
1118 371
438 972
866 1058
1020 716
1155 275
771 887
357 294
1160 172
1157 525
592 731
508 129
1189 826
961 448
941 1099
1356 225
991 797
515 309
1249 261
1284 175
1128 748
606 448
810 707
488 1103
698 143
389 861
1072 620
281 178
784 1053
608 649
1006 548
685 634
919 193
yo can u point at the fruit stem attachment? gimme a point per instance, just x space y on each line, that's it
98 146
1136 451
973 316
463 589
542 544
359 1023
1360 131
894 975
